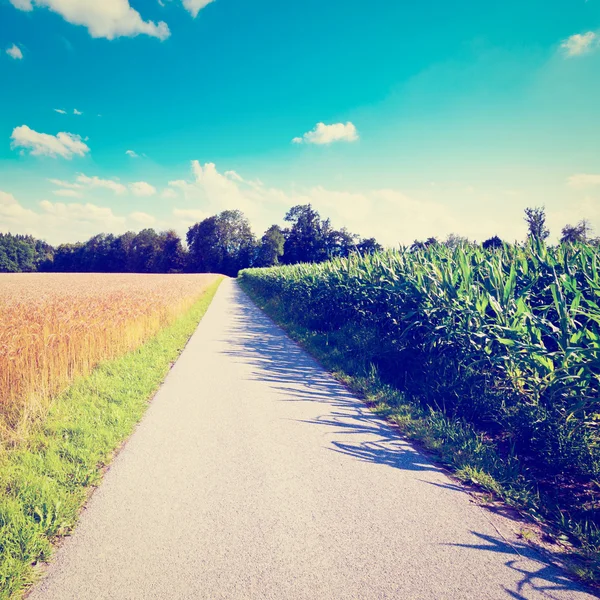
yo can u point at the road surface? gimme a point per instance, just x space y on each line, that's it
255 475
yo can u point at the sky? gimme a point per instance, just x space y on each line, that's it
399 120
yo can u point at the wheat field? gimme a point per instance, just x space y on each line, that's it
55 327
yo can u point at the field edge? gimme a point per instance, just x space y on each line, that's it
46 480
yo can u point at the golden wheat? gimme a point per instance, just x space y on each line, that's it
54 327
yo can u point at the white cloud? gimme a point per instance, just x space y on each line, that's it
97 182
142 218
189 216
327 134
60 111
168 193
195 6
15 52
131 153
12 214
103 18
42 144
66 193
233 175
141 188
81 212
390 215
77 112
65 184
580 43
581 180
60 222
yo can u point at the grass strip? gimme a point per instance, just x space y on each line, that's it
452 443
45 481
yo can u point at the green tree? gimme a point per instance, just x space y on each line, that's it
576 233
369 246
23 253
67 258
306 238
536 223
172 256
454 240
493 243
418 245
221 244
144 252
271 247
339 242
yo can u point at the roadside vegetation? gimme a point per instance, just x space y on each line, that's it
46 475
489 357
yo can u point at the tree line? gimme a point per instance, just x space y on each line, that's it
535 219
224 243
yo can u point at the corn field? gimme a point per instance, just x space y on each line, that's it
55 327
507 340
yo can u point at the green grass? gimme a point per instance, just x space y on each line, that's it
45 481
451 442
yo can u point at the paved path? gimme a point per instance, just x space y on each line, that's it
254 475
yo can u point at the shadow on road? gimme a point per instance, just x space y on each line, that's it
254 340
280 362
545 577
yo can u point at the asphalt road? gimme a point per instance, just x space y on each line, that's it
254 475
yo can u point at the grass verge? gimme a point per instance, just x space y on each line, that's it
45 481
453 443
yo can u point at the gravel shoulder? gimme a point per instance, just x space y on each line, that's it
255 475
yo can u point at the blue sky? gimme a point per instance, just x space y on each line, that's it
436 117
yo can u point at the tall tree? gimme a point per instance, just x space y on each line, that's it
454 240
339 242
369 246
271 247
576 233
493 243
418 245
144 252
68 258
536 223
23 253
221 244
305 239
172 256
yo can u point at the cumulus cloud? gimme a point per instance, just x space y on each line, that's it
77 112
390 215
582 180
168 193
195 6
103 18
67 193
141 188
131 153
65 184
327 134
60 111
14 52
142 218
60 222
580 43
97 182
189 216
62 144
233 175
12 214
81 212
